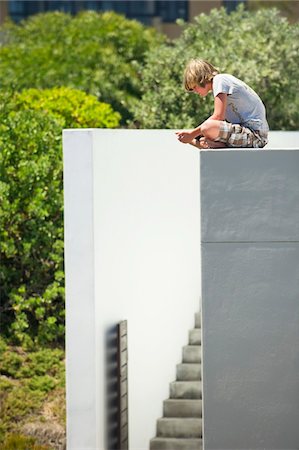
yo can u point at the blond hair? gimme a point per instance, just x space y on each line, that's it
198 73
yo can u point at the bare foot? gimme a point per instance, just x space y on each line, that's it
201 143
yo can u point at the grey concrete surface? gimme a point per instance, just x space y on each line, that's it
250 196
182 408
176 444
250 299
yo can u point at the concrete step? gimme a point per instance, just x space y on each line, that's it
192 354
195 336
198 320
175 444
188 372
182 408
185 389
179 427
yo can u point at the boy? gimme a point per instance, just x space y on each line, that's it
239 117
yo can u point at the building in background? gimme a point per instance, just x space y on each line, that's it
161 14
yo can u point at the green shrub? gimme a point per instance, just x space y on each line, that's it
43 362
261 48
31 226
6 385
31 207
93 52
43 383
72 108
20 402
19 442
10 363
18 364
3 346
38 379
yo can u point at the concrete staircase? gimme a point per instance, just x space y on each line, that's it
180 428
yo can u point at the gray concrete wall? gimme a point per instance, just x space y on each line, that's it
250 299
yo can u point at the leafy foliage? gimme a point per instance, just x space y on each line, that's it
19 442
31 216
93 52
72 108
261 48
26 387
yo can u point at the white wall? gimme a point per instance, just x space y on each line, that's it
132 244
283 139
250 298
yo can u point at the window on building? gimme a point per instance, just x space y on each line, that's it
142 10
139 10
231 5
170 11
16 10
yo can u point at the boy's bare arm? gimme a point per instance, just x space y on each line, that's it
220 102
187 136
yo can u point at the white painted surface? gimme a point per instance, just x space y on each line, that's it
250 300
79 266
132 243
283 140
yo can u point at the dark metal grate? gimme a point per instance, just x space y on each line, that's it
117 387
123 435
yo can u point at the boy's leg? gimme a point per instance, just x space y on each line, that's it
211 129
233 135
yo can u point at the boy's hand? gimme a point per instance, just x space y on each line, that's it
185 136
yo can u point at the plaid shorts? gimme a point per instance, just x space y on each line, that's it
235 135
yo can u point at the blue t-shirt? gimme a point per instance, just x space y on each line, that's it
244 106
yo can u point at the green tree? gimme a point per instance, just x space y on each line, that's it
261 48
31 202
93 52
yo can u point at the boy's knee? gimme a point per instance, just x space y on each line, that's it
210 128
205 127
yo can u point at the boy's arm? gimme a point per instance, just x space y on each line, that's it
186 136
220 102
